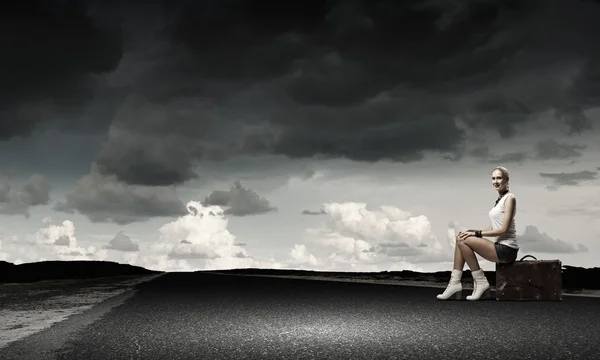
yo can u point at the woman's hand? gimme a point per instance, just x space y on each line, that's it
465 234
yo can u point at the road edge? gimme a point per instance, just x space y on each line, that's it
47 342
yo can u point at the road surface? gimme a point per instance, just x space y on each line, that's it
217 316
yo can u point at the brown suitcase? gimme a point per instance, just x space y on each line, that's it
529 280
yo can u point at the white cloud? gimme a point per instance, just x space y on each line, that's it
50 233
352 237
377 239
300 257
199 240
50 242
201 234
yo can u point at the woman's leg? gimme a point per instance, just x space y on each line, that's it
486 249
467 255
459 260
454 288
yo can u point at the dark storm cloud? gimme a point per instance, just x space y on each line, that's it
153 144
363 80
516 157
240 201
310 212
484 153
48 75
552 149
122 242
574 118
532 240
35 192
549 149
390 131
105 199
358 48
502 114
570 179
397 249
4 190
63 241
589 209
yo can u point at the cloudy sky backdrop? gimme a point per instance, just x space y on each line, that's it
324 135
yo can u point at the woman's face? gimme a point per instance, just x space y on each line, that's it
498 180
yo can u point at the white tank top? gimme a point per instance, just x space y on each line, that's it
509 238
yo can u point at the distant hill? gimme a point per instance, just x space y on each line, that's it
574 278
55 270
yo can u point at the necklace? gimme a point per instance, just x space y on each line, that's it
500 197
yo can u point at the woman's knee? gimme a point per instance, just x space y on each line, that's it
459 240
462 243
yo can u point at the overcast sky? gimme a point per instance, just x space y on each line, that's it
322 135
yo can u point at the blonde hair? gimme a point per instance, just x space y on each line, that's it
504 173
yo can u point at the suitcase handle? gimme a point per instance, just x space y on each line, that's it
526 256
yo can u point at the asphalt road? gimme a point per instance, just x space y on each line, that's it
215 316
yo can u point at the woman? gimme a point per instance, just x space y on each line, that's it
504 250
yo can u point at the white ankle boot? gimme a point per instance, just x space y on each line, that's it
454 287
480 285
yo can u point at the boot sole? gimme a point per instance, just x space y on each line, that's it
457 296
486 295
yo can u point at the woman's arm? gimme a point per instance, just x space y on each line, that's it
486 229
463 234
